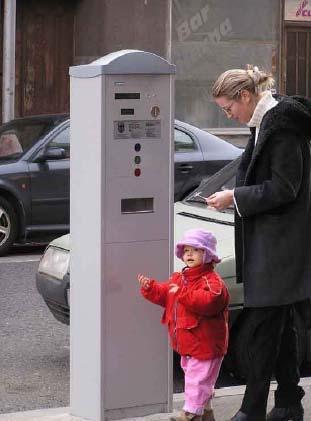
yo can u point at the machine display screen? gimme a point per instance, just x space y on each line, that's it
127 95
127 111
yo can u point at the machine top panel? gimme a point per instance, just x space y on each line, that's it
124 62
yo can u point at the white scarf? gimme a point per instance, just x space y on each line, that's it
265 104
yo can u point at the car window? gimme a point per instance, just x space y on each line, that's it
9 144
61 140
183 142
19 136
222 180
229 184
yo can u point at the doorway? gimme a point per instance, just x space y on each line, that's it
298 60
44 52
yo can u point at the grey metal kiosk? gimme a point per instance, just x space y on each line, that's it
121 224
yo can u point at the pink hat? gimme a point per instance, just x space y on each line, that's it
200 239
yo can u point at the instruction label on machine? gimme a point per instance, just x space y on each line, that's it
137 129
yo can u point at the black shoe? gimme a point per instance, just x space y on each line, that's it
240 416
293 413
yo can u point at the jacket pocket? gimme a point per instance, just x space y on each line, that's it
187 322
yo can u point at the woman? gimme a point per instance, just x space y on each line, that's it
272 199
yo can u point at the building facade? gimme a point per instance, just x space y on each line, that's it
211 36
202 37
52 35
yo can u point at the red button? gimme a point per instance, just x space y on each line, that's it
137 172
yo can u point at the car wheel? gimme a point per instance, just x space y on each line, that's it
8 225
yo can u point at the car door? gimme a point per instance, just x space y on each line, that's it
50 187
188 160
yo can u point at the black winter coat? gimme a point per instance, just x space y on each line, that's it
273 195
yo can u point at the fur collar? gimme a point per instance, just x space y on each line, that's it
291 114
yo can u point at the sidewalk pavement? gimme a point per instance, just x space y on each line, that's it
226 403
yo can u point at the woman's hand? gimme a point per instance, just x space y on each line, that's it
220 200
143 281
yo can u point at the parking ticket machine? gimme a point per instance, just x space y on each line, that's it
122 111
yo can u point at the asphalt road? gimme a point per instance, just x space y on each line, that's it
34 347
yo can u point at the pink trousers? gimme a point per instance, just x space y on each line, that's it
200 379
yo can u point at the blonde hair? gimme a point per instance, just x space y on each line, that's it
232 82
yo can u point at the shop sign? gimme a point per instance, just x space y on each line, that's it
298 10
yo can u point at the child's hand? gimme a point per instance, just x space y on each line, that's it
144 282
173 288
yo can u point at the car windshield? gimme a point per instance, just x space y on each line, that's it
222 180
18 136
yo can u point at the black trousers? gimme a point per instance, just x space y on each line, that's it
271 347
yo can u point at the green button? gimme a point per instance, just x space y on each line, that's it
137 159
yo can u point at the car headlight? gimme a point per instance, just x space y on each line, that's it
54 262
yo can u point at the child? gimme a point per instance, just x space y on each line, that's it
196 313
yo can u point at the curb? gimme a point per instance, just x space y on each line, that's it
62 414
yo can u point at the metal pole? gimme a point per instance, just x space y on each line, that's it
9 29
169 19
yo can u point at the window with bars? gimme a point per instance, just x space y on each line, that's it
298 61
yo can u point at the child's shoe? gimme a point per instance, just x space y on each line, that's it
187 416
208 415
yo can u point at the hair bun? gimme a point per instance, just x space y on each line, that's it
253 72
261 79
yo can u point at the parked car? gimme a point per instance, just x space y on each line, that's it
34 173
53 276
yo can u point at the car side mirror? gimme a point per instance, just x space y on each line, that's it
50 153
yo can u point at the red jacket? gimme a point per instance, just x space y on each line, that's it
197 315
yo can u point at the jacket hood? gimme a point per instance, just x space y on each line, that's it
292 113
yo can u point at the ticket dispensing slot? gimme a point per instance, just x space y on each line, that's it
137 205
